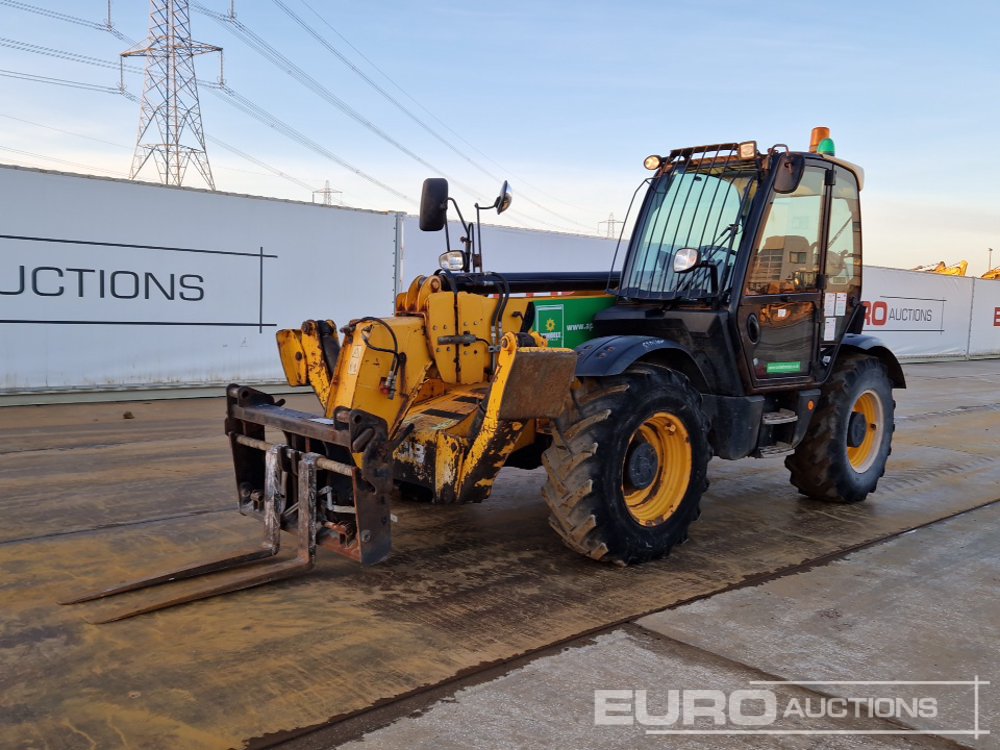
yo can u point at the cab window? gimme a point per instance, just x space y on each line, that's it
787 258
843 255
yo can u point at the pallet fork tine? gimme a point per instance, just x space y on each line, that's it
302 562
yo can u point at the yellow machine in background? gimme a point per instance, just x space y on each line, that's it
957 269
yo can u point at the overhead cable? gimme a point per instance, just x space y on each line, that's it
65 55
62 161
63 82
259 163
236 100
343 58
47 12
254 110
280 61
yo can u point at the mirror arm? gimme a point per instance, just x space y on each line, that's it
479 232
468 239
459 210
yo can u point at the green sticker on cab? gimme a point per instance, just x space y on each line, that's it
778 368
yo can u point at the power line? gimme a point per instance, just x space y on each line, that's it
343 58
218 142
67 83
440 122
66 132
259 45
71 19
268 119
255 42
254 110
278 59
62 161
236 100
385 94
64 55
132 97
223 144
259 163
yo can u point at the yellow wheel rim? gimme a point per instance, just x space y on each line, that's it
869 405
668 438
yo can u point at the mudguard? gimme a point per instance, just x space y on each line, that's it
611 355
862 342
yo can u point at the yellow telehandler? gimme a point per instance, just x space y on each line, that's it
733 328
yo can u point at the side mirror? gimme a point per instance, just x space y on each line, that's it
686 259
789 173
505 198
434 204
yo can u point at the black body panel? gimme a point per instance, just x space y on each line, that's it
702 335
862 342
611 355
521 282
735 424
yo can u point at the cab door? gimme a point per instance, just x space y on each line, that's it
780 312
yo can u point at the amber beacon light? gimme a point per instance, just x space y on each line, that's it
820 142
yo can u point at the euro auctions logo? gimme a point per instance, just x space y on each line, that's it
741 708
800 708
904 314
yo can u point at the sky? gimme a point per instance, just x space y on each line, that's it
564 100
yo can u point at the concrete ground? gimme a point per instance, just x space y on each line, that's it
921 606
482 630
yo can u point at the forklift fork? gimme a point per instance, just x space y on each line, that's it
302 562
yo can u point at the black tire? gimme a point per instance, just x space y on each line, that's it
821 466
586 487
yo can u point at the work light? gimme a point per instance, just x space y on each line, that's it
452 261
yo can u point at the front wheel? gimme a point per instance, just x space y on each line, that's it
627 465
844 452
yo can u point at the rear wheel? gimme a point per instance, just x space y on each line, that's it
627 465
844 452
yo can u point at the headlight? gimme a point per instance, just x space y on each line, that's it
452 261
686 259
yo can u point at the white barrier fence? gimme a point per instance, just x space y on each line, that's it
108 284
930 315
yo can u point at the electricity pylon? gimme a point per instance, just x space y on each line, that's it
611 222
326 194
170 129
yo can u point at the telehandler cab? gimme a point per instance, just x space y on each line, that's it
732 329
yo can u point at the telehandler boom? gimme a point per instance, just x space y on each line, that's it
733 328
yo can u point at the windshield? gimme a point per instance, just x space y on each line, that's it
701 206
